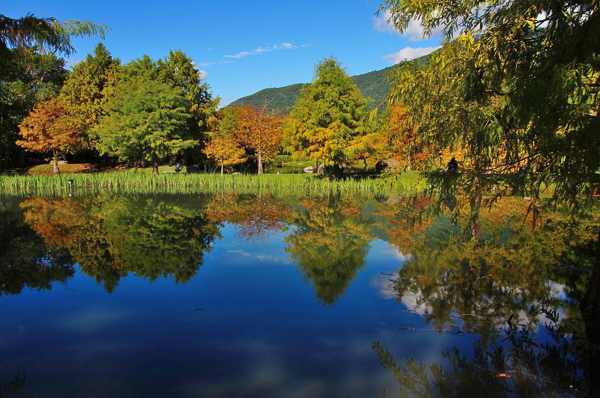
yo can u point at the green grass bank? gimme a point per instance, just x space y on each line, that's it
132 182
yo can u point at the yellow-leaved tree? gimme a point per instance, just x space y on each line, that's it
225 151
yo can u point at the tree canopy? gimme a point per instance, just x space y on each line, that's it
88 87
147 120
52 128
327 117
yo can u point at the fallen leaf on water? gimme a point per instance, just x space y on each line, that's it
503 376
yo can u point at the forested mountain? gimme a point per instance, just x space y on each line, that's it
373 85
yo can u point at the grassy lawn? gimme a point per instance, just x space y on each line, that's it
41 169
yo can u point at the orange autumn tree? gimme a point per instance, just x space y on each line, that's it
259 132
402 139
51 128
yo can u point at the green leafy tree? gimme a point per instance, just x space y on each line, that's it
181 70
519 89
327 117
88 87
147 120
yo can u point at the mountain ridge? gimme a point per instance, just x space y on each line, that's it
373 85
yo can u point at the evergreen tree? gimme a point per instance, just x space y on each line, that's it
88 87
180 70
327 117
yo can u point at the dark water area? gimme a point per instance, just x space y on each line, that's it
260 295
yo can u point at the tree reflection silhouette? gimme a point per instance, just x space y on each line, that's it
110 237
12 387
25 261
329 244
530 296
255 216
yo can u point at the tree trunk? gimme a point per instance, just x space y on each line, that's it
155 167
260 166
221 168
55 163
364 164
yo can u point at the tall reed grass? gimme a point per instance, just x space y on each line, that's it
130 182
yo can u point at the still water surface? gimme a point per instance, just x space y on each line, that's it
240 295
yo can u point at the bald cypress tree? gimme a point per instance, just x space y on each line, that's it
327 117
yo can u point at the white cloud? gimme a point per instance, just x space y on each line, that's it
408 53
380 23
261 257
414 30
262 50
238 55
93 320
204 64
385 285
203 74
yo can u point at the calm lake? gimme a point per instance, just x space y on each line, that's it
244 295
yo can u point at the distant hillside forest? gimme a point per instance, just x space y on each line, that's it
373 85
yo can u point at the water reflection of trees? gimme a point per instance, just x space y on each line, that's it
255 216
12 387
110 237
25 261
531 297
330 242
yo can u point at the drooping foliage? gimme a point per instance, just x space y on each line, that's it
47 34
518 89
30 72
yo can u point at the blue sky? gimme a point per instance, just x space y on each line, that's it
242 46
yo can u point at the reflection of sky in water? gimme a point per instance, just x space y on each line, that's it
246 324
